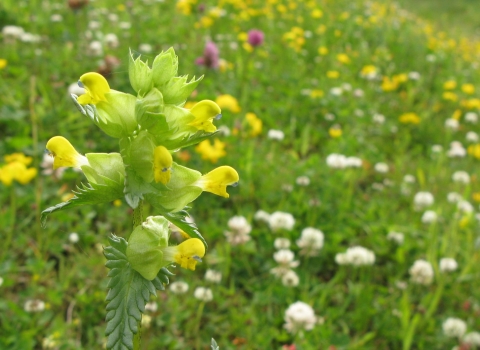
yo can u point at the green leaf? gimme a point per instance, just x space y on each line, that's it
179 220
177 89
214 345
128 294
198 137
88 195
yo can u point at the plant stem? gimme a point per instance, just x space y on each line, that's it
197 324
137 220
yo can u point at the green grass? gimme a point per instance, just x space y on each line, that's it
284 82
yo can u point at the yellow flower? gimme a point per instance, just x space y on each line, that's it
211 152
343 58
389 84
457 114
476 196
409 118
18 157
255 124
322 51
368 71
217 180
472 103
474 150
333 74
468 89
228 102
186 254
64 154
162 164
247 47
450 96
316 93
450 85
18 171
189 104
317 13
335 131
3 63
243 36
96 86
204 112
400 78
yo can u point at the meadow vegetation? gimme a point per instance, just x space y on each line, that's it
354 129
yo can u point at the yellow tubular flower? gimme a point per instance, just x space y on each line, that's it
186 254
217 180
204 112
64 153
18 157
162 164
96 86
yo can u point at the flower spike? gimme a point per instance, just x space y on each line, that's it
96 86
64 154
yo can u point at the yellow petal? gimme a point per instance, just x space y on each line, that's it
218 179
189 253
64 153
204 112
162 164
96 86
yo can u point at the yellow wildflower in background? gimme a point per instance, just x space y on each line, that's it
389 84
333 74
476 197
317 93
368 71
473 103
409 118
255 124
18 157
3 63
457 114
468 89
343 58
16 169
322 50
335 131
450 96
211 152
317 13
474 150
228 102
449 85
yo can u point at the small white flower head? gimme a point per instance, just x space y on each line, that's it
73 237
396 237
454 197
378 118
437 148
429 217
75 90
151 306
12 32
299 317
472 338
287 187
111 40
285 257
329 116
224 130
378 186
421 272
310 242
50 342
146 321
341 259
454 327
472 136
239 224
336 161
290 279
414 76
359 113
347 87
336 91
471 117
423 200
213 276
461 177
277 135
360 256
34 305
409 179
456 150
381 168
95 48
281 221
93 25
125 25
145 48
465 207
281 243
451 124
203 294
448 265
358 93
303 181
1 281
353 162
56 18
236 237
262 215
431 58
178 287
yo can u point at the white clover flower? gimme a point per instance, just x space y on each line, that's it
471 117
341 259
448 265
423 200
56 18
347 87
34 305
472 338
145 48
472 136
456 150
430 58
303 181
236 238
454 327
359 113
30 38
465 207
50 342
112 17
146 320
310 242
239 224
277 135
409 179
151 306
73 237
125 25
452 124
95 48
290 279
358 93
356 256
93 25
353 162
298 317
178 287
329 116
12 32
429 217
454 197
421 272
381 168
413 75
378 186
378 118
336 91
203 294
285 257
461 177
287 187
213 276
336 161
396 237
281 221
437 148
281 243
111 40
261 215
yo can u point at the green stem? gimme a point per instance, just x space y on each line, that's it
137 220
197 324
407 341
13 213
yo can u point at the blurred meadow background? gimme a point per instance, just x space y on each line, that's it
353 126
